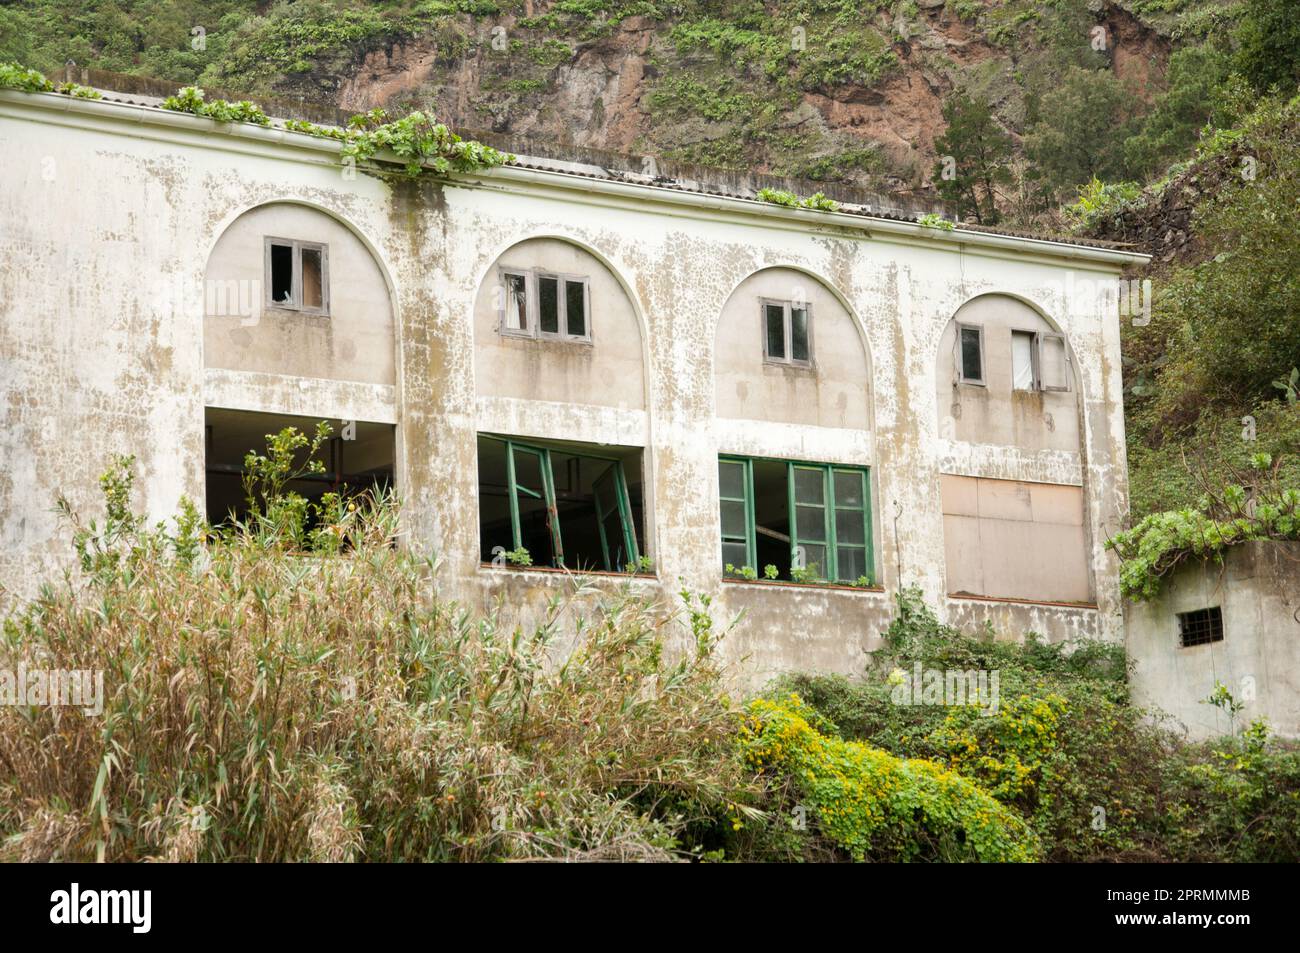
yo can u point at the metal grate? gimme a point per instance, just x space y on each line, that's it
1200 627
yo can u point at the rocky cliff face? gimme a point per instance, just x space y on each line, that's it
649 85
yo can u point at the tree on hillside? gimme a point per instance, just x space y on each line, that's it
1078 132
974 156
1269 44
1169 132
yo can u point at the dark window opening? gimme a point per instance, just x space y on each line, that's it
571 505
282 274
575 308
357 458
972 355
1200 627
548 293
297 275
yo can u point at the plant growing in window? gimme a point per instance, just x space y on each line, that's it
744 572
519 556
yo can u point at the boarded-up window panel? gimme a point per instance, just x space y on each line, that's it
1015 540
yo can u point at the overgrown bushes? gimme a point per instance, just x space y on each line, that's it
290 687
1094 777
261 704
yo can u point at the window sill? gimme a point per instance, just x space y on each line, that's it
295 312
787 584
549 339
809 370
971 597
553 571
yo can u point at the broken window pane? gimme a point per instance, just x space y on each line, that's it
1022 360
313 295
516 305
566 507
282 274
1054 365
799 334
575 308
774 317
548 305
972 362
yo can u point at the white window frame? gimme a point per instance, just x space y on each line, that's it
1036 357
295 280
959 361
1034 379
787 319
533 320
1039 338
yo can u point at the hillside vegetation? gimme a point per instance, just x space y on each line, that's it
838 90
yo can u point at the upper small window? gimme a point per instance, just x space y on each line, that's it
542 304
970 354
1039 361
787 332
297 275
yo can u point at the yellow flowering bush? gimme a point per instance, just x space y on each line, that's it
874 805
1006 752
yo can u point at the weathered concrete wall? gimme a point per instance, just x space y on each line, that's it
834 392
608 372
114 362
355 341
1257 588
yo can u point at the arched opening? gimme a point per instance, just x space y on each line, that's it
552 322
787 349
1005 378
296 313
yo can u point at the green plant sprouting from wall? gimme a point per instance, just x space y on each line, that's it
13 76
817 201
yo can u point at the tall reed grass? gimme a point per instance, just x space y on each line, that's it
266 703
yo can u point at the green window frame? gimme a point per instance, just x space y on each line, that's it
736 509
830 517
611 498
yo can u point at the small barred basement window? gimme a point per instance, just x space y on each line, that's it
1200 627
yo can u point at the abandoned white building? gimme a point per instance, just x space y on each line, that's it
606 368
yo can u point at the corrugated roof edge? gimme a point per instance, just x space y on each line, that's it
593 163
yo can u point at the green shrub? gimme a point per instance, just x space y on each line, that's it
876 806
192 99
